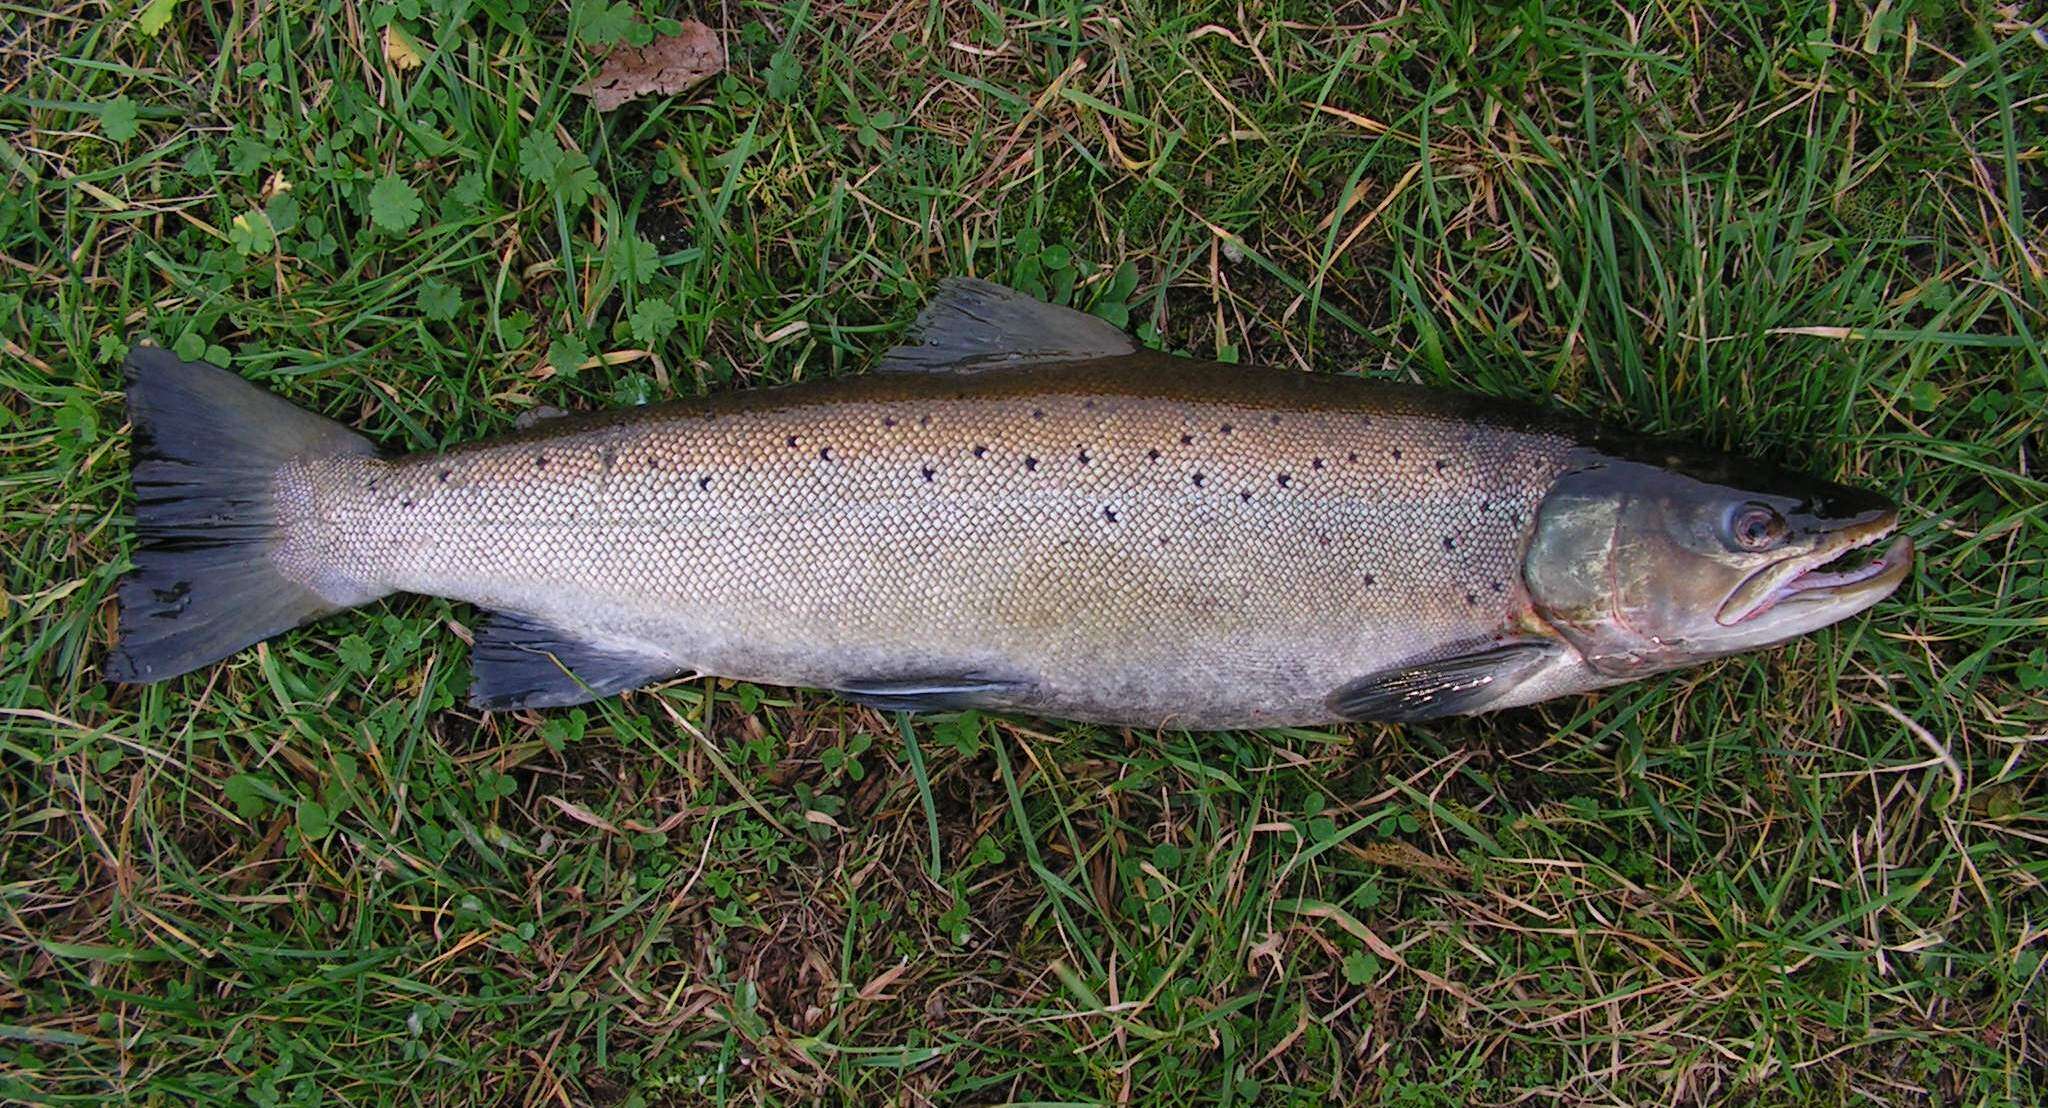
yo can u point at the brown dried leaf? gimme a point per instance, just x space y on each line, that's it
668 65
400 49
582 815
873 989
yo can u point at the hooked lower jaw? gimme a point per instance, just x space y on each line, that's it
1812 578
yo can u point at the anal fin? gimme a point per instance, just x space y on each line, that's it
928 693
1455 685
522 662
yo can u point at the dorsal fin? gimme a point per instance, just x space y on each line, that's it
536 415
973 325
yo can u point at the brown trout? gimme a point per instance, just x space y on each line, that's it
1019 510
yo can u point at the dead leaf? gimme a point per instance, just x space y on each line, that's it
582 815
873 989
399 49
668 65
1396 854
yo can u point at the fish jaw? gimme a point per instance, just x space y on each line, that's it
1820 578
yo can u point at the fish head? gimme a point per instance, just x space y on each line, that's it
1648 565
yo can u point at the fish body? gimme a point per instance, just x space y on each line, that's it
1023 513
1142 540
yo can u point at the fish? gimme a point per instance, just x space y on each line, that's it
1018 510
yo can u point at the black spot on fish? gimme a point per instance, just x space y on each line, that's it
924 421
1450 543
1245 495
1031 463
1351 457
1397 453
1442 465
174 598
1316 463
1225 429
1152 455
406 502
1274 420
1081 455
1200 480
1497 586
1471 598
981 451
442 476
1283 480
824 453
704 483
889 421
1367 580
1163 540
1087 405
790 442
928 473
1187 440
1485 506
1038 413
1109 513
371 484
540 461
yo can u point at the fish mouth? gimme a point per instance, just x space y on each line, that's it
1830 575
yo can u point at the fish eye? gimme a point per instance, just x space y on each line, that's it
1756 527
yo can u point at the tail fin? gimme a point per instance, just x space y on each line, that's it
206 448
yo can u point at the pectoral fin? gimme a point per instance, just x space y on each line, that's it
522 662
1455 685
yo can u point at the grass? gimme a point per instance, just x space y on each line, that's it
1813 232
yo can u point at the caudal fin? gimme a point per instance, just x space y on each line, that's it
206 447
